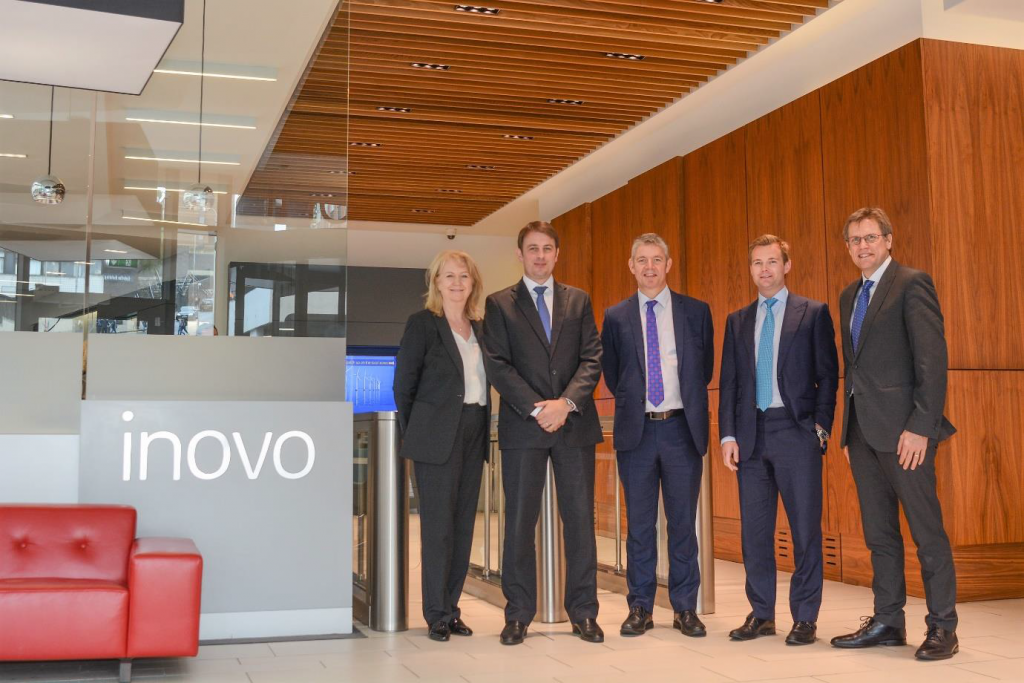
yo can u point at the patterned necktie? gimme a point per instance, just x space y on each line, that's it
542 308
765 350
860 313
655 382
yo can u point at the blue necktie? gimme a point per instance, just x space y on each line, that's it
860 313
765 350
655 382
542 308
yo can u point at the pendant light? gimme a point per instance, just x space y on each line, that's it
199 197
49 189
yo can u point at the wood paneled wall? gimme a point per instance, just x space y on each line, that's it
931 133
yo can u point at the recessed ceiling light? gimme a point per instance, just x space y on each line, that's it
83 263
433 67
477 10
156 188
713 1
395 110
575 103
159 220
449 191
6 116
480 167
365 144
208 74
423 211
518 137
115 251
321 194
11 155
55 272
624 55
191 123
185 161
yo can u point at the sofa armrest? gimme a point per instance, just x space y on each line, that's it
164 587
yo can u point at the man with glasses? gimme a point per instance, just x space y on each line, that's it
894 351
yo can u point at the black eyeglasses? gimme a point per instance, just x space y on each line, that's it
869 239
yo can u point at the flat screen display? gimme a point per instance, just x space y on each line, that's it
369 381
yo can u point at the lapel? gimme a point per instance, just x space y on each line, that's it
748 324
796 307
845 313
679 329
524 301
559 303
636 327
448 339
883 287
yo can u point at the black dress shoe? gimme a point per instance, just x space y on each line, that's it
803 633
439 631
938 644
513 633
872 633
458 627
638 622
589 631
752 628
688 624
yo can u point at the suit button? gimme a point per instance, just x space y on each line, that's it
554 372
459 396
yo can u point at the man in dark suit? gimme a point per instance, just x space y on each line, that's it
543 355
658 359
780 373
894 351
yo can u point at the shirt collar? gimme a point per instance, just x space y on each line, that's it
664 297
876 277
549 283
781 296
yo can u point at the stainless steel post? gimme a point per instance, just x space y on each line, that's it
488 480
388 510
705 545
618 522
550 556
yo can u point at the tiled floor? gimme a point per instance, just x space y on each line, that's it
991 638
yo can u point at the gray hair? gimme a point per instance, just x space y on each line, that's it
648 238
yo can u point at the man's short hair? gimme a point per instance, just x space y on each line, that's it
648 238
543 227
768 240
872 212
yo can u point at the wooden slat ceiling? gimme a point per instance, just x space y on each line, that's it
448 159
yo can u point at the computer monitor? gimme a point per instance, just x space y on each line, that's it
369 378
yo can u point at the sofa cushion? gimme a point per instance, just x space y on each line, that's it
47 618
69 541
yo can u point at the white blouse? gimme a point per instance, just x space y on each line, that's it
472 369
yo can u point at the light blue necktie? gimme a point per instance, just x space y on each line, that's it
542 308
860 313
765 350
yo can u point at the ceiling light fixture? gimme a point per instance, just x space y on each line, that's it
574 103
6 116
341 172
517 137
395 110
159 220
624 55
83 263
181 72
184 161
480 167
365 144
191 123
432 67
321 194
716 2
12 155
200 197
115 251
477 10
165 189
48 189
55 272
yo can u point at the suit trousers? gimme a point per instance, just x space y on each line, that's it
786 459
882 487
448 495
523 472
667 456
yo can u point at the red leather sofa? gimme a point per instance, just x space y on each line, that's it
75 583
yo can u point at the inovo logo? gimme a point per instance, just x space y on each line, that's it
252 470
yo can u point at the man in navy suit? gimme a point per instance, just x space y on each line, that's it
780 372
658 359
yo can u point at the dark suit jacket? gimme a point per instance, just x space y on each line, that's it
429 387
526 369
808 370
625 367
899 371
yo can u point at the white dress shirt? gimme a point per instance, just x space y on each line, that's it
779 313
666 347
549 300
472 369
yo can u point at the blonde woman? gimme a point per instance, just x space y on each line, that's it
444 411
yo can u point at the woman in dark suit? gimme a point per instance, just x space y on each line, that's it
443 400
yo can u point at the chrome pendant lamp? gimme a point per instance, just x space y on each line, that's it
199 197
49 189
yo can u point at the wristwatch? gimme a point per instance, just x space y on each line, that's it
822 434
